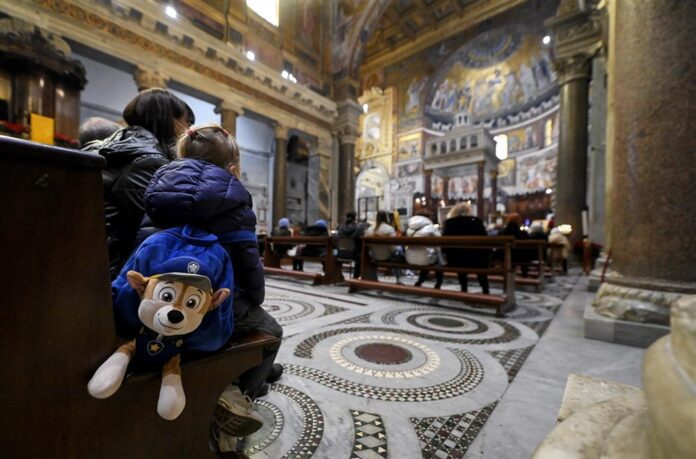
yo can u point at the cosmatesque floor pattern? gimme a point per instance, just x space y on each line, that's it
375 375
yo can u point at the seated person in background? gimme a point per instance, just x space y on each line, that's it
283 229
561 254
460 222
513 227
384 252
536 232
96 128
420 226
348 240
319 228
203 189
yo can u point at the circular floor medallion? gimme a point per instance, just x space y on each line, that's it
383 353
444 322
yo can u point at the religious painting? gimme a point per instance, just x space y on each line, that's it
412 98
409 147
462 187
308 23
499 71
266 54
537 171
437 185
507 173
526 138
408 169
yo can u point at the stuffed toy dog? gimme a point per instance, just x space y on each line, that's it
172 306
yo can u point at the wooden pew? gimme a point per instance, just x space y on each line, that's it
332 266
501 303
56 325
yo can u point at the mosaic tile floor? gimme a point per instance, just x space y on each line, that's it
376 375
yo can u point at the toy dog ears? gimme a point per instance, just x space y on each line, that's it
218 298
137 281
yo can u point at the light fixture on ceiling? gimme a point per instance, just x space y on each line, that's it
171 11
284 74
250 55
546 40
549 191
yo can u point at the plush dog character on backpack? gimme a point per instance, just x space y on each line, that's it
172 306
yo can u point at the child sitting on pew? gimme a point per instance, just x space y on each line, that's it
202 188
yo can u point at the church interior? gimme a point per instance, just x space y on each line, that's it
394 157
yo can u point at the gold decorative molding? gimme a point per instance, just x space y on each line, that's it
108 27
148 78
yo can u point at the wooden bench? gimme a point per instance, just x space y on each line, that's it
56 325
502 303
272 261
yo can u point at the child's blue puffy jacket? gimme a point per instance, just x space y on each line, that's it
189 191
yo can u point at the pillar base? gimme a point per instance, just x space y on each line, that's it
638 299
634 334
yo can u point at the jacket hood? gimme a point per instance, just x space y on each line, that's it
198 193
417 222
126 144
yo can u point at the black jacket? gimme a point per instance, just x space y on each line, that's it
132 156
466 258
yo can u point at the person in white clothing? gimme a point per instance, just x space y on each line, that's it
420 226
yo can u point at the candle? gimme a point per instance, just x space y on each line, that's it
584 223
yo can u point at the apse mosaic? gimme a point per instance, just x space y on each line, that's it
378 375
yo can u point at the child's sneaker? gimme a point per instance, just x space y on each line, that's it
235 415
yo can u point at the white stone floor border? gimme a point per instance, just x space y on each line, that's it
527 411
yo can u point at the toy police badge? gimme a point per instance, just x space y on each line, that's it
154 347
193 267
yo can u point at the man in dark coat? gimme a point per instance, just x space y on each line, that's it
461 223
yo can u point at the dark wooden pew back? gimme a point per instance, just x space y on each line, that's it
331 265
503 244
56 325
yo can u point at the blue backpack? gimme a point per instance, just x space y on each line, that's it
216 328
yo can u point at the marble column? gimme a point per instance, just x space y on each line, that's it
571 173
229 111
346 174
280 174
577 38
494 191
480 168
445 189
596 179
149 78
653 211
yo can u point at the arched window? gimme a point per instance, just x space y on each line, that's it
267 9
433 148
501 146
473 141
443 147
453 145
462 143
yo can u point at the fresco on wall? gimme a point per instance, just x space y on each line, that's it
409 147
501 70
537 171
507 173
436 186
307 23
461 187
408 170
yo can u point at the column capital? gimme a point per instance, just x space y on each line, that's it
577 38
229 106
146 78
281 131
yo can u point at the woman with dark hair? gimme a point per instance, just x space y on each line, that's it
155 118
